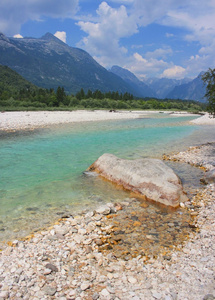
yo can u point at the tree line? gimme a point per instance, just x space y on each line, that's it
28 98
17 93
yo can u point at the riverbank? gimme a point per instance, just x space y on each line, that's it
12 121
20 120
206 119
73 259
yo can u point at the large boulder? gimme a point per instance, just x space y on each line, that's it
150 178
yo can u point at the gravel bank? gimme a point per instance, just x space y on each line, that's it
204 120
19 120
65 261
199 156
34 119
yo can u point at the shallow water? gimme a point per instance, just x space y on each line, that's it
145 229
41 172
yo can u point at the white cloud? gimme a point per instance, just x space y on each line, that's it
14 13
61 35
176 72
143 67
202 61
122 1
150 11
160 53
169 35
107 32
103 36
18 36
136 46
196 17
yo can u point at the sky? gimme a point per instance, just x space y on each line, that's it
150 38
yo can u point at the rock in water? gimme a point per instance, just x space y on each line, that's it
148 177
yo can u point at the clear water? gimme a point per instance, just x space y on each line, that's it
41 172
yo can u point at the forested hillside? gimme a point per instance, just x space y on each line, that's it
17 94
11 82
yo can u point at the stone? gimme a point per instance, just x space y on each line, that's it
95 296
132 280
209 297
210 175
118 206
47 271
15 243
85 285
4 295
156 295
149 178
62 230
98 242
72 293
110 289
104 210
104 293
78 238
49 290
52 267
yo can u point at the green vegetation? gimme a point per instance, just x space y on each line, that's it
18 94
11 82
209 79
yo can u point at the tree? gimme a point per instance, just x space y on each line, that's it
89 94
60 97
209 79
81 94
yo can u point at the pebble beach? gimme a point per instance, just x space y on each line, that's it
77 258
12 121
19 120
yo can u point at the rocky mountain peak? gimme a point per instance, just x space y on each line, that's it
50 37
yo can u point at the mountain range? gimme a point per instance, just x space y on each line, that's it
48 62
194 89
185 89
141 88
163 86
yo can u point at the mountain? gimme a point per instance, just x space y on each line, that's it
142 90
194 90
152 87
163 86
48 62
11 81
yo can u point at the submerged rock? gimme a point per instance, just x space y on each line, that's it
146 177
210 175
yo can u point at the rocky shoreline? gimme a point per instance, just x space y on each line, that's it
76 257
30 120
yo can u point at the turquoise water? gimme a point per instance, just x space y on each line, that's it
41 172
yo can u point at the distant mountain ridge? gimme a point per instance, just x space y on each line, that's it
142 89
161 88
194 90
48 62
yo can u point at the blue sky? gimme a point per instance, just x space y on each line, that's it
151 38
